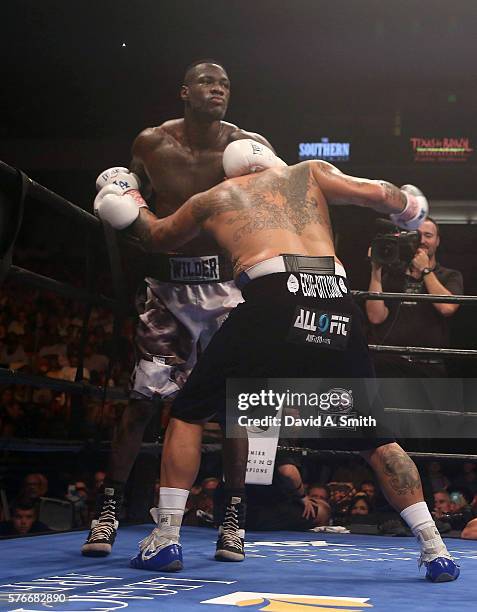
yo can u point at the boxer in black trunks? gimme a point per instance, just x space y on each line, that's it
275 227
173 161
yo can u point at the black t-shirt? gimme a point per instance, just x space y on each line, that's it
415 323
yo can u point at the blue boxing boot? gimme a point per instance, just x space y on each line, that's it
441 569
440 566
161 550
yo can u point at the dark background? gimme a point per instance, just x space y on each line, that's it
369 71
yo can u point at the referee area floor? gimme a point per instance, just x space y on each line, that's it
283 572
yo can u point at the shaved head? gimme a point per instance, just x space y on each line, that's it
194 67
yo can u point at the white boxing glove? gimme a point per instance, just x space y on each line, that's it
109 175
118 176
415 211
118 207
247 156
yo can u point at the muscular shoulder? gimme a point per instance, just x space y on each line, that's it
151 137
212 202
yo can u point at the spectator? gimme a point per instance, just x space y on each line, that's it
22 393
99 477
468 479
68 372
341 494
93 360
413 323
285 504
54 418
360 505
437 479
470 530
24 521
14 423
55 367
54 345
442 503
78 494
35 485
19 325
369 488
12 354
458 501
317 491
204 502
208 485
7 396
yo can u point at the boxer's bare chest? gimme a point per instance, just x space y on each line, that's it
177 172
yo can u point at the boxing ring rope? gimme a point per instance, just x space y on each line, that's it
155 448
416 297
353 453
17 377
11 208
39 281
421 350
50 198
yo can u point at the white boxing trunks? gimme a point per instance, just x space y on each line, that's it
177 319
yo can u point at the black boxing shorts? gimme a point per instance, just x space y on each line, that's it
276 333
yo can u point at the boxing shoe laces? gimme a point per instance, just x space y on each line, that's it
103 529
160 551
440 566
230 544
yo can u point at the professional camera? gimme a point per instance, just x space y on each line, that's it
392 247
458 520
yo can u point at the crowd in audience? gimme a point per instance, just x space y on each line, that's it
40 334
330 504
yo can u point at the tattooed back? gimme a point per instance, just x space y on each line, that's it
262 215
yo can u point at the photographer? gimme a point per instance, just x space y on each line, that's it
414 270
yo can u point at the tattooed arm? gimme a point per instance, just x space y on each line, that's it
339 188
182 226
168 233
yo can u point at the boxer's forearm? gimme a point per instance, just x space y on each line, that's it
153 233
393 199
161 235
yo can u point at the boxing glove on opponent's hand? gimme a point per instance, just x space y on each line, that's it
119 207
119 200
247 156
415 211
115 174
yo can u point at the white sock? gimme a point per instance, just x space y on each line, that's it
422 525
169 514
